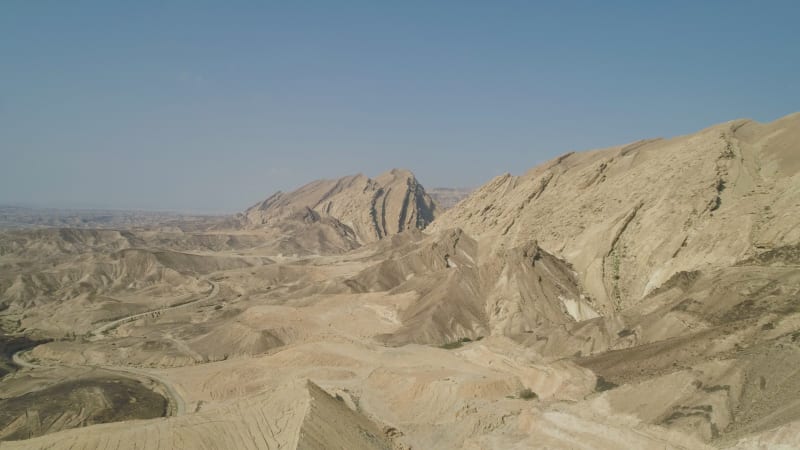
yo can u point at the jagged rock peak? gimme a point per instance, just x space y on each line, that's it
392 202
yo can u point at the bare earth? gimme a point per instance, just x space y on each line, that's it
642 296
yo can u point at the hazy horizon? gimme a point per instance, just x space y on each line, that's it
181 107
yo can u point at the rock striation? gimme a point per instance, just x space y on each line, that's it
628 218
362 208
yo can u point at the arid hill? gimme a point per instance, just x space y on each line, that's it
628 218
463 294
361 209
644 296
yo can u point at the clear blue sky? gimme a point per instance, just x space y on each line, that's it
213 106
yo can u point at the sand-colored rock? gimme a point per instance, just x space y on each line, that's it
644 296
628 218
299 415
366 209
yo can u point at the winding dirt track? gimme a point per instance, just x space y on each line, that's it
99 331
176 401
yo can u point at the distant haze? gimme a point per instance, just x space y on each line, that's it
177 105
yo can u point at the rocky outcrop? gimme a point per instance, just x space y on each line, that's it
462 293
368 209
628 218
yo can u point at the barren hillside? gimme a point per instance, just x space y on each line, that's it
364 209
628 218
644 296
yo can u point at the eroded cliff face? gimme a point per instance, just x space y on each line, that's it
461 293
370 208
628 218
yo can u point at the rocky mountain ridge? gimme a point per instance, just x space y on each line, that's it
630 217
368 209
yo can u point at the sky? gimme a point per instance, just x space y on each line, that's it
212 106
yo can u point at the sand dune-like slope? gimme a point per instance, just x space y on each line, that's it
300 415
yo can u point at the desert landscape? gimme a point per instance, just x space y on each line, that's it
641 296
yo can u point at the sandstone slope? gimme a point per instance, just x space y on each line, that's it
628 218
361 209
644 296
299 416
464 294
